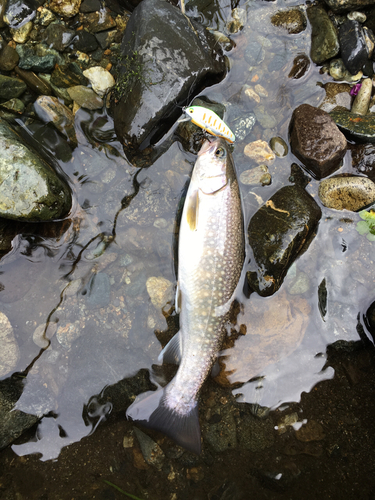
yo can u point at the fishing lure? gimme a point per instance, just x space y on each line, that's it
208 120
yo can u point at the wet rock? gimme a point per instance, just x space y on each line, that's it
11 87
358 127
98 291
21 35
65 8
106 38
353 46
260 152
99 21
85 41
277 233
101 79
286 421
41 337
68 75
279 146
357 16
30 189
14 105
160 291
13 422
338 72
161 48
362 100
257 175
8 58
9 354
254 53
363 159
370 44
34 82
151 451
345 5
255 434
347 193
50 109
301 65
85 97
57 36
337 94
30 60
324 39
243 126
252 95
18 13
293 20
316 140
90 6
311 431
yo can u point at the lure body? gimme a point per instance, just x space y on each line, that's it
208 120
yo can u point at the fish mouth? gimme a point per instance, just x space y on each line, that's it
209 147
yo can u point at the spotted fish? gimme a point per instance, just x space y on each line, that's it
211 254
208 120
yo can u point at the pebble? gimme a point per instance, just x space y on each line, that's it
252 95
287 421
337 94
301 64
257 175
299 285
9 352
347 193
238 21
50 109
85 97
65 8
355 15
260 152
279 146
11 87
67 334
311 431
293 20
45 17
8 58
21 35
362 101
100 79
98 291
338 72
41 339
160 291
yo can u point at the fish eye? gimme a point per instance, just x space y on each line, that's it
220 153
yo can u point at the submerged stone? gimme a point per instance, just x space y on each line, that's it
337 94
357 127
164 62
277 233
347 192
301 64
324 39
316 140
50 109
11 87
30 190
65 8
293 20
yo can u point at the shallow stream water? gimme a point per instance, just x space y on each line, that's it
81 285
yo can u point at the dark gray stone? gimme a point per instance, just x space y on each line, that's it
8 58
57 36
354 52
11 87
85 41
98 292
164 62
278 232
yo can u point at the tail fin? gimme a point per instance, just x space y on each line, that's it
153 412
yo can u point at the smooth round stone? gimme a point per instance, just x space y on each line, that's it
9 352
324 39
347 193
14 105
65 8
279 146
301 64
98 291
100 79
362 101
42 340
257 175
293 20
8 58
260 152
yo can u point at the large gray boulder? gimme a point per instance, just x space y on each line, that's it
30 189
166 59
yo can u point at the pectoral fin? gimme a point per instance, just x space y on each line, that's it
177 302
192 210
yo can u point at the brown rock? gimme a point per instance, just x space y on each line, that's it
311 431
337 94
316 140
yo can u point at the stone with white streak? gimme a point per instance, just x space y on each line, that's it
100 79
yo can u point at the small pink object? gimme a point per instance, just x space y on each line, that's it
355 89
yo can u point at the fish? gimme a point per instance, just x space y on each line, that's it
208 120
211 253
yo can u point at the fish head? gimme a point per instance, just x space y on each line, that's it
214 167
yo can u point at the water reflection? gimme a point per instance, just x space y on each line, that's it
85 287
